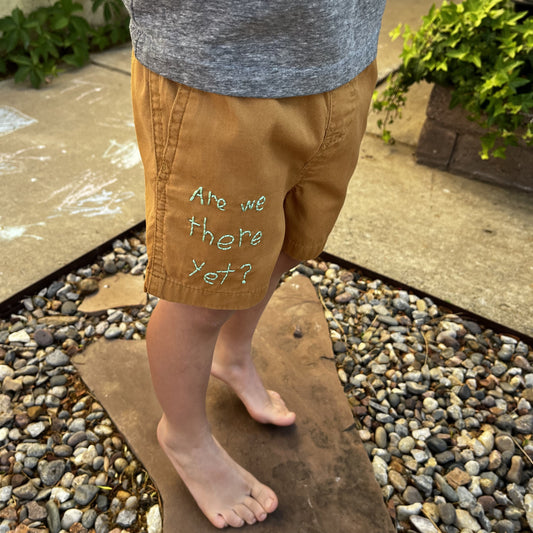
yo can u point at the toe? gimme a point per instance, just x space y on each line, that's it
233 519
259 513
266 497
245 513
281 414
218 521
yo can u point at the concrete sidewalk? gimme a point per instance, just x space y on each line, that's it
72 179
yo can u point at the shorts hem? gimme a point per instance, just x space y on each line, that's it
171 291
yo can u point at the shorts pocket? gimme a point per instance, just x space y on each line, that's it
168 102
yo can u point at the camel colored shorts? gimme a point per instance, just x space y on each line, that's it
231 182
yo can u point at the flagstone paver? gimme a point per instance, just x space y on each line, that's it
120 290
318 467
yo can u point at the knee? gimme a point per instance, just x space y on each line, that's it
198 318
209 319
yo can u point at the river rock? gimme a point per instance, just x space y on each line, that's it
423 525
51 472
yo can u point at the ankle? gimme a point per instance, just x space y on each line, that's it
182 441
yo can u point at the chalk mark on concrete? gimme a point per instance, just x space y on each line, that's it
88 195
123 155
88 88
10 233
15 162
12 119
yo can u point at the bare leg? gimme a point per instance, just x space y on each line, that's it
180 342
233 362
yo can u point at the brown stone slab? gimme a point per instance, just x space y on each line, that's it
435 145
318 467
439 110
515 170
119 290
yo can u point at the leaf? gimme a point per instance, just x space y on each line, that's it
36 78
96 5
22 73
474 58
107 12
18 16
32 45
396 32
11 41
7 24
21 60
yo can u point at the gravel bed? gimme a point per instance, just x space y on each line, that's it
443 407
63 464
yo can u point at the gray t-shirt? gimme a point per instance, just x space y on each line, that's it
257 48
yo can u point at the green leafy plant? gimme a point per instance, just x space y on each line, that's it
33 46
483 51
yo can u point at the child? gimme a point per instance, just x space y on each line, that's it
249 116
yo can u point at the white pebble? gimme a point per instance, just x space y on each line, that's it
5 493
15 434
380 470
86 457
423 524
528 506
487 440
70 517
365 435
103 431
153 520
421 434
19 336
358 380
335 335
406 444
478 448
430 404
475 486
66 480
463 441
35 429
420 456
405 511
5 371
472 467
60 494
466 521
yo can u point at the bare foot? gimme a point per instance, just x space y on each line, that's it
226 493
265 406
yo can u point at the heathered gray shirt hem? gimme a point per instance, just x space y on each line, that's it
253 48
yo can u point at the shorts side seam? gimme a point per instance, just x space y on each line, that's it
166 148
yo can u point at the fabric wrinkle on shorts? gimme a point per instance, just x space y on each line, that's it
231 182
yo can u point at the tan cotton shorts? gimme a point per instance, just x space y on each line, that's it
232 182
